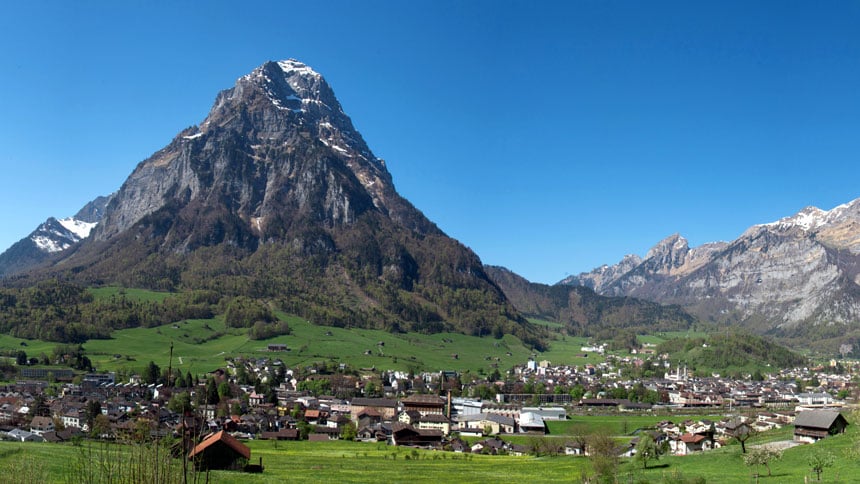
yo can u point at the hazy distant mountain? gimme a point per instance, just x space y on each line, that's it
51 238
793 277
276 195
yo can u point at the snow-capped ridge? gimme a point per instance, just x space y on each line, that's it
812 218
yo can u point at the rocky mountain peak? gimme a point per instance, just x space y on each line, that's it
278 142
669 254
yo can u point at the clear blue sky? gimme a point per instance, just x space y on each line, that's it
550 137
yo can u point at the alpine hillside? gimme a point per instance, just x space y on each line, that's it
276 196
585 313
796 278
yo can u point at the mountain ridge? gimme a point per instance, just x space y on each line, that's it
792 277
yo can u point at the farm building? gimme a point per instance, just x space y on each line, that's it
220 451
814 425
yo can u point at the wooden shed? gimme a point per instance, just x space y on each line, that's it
220 451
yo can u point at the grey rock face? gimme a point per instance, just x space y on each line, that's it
277 145
799 270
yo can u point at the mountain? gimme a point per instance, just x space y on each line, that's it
584 312
276 196
51 238
796 277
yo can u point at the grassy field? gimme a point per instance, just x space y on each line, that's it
201 345
353 462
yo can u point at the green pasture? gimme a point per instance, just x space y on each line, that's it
355 462
202 345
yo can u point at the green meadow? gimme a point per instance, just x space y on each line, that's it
200 346
355 462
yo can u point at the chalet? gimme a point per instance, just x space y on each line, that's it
220 451
814 425
277 347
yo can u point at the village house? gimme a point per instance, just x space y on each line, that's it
424 404
814 425
435 421
40 425
386 408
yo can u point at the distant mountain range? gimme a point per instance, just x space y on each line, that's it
51 238
796 277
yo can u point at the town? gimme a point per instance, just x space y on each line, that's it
260 398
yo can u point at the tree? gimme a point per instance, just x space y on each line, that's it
349 432
818 460
742 432
101 426
92 410
180 403
211 392
604 456
21 358
224 391
762 456
647 449
151 373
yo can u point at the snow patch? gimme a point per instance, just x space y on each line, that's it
46 244
292 66
193 136
78 227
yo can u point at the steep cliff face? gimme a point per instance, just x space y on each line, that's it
275 149
800 270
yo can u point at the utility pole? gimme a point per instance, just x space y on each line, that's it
170 366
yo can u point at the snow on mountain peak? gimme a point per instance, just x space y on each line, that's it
292 66
810 218
80 228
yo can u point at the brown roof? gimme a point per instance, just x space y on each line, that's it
423 399
373 402
227 440
692 439
369 412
